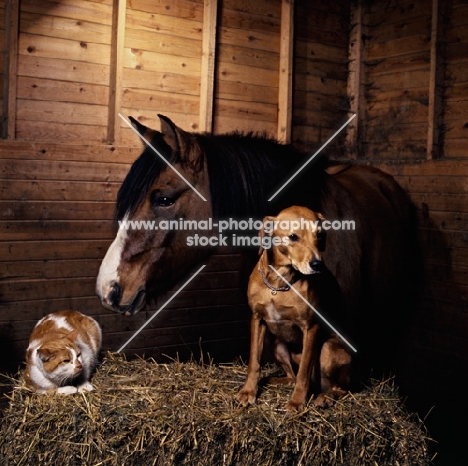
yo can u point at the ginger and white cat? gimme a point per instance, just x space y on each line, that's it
62 353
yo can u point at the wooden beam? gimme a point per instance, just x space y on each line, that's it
356 80
116 70
286 72
435 86
10 84
208 65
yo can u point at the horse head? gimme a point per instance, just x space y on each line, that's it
168 182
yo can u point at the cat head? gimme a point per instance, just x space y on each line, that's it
60 360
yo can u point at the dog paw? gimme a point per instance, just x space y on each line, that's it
246 397
295 406
323 401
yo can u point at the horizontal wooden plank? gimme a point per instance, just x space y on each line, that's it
250 111
155 42
28 230
240 91
78 50
399 81
100 12
161 62
27 130
441 202
160 81
164 24
399 151
56 210
49 269
262 14
405 112
456 72
61 91
456 129
161 101
434 183
244 56
396 12
257 40
63 70
239 73
455 147
63 170
44 24
37 249
182 9
428 168
322 85
62 112
68 152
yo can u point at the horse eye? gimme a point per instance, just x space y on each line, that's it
293 237
164 201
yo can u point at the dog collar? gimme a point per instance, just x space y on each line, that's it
269 285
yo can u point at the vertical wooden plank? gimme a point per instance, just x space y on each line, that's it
286 72
208 65
116 70
356 80
435 86
10 85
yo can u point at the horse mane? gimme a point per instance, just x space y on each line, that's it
245 170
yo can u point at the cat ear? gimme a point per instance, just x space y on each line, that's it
72 336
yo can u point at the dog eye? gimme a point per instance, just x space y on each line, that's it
293 237
66 361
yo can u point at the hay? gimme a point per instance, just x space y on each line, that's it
144 413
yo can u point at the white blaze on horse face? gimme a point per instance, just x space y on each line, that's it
108 270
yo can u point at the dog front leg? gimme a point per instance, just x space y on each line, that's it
248 393
304 373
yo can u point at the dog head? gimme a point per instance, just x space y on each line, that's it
297 239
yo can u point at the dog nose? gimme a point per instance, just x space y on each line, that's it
115 292
316 265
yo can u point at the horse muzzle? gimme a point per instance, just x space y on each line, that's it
112 299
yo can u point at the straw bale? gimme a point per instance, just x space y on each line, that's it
145 413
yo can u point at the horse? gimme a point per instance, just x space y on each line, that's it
196 176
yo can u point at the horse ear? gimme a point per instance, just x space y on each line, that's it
173 135
146 132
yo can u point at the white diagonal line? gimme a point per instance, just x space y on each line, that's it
161 308
313 308
161 156
312 157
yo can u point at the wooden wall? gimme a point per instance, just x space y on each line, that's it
408 86
69 67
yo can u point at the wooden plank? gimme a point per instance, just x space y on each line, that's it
286 72
356 81
62 112
99 12
10 84
116 71
56 230
16 169
57 48
43 250
63 70
435 87
61 91
56 210
208 65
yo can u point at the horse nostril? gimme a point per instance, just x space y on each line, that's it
114 296
316 265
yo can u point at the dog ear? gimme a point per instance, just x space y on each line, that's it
261 233
321 234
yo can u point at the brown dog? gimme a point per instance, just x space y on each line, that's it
302 340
